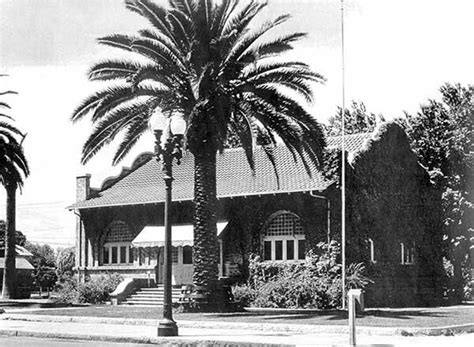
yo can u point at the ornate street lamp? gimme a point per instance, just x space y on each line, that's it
167 149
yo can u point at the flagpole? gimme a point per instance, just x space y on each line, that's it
343 174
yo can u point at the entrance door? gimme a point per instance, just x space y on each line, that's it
182 267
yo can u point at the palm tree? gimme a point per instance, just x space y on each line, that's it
13 167
210 63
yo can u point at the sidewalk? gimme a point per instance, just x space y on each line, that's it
207 333
206 336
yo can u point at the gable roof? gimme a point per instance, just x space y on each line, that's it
145 185
20 264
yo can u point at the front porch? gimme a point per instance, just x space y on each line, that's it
143 257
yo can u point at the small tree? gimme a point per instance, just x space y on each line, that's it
44 262
356 120
65 262
442 136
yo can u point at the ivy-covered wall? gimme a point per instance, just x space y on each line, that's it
248 215
392 201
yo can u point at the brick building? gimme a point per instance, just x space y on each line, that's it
391 224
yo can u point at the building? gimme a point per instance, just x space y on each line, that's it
392 224
24 270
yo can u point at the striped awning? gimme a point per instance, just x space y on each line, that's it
181 235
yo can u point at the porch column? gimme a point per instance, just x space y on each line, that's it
221 258
82 194
90 253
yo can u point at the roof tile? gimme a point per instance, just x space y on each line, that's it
145 184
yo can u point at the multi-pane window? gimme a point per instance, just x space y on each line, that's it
284 238
407 252
116 253
117 244
284 224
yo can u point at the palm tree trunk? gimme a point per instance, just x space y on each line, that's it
9 290
205 253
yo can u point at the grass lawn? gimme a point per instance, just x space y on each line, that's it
386 317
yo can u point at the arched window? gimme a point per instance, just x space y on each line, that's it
117 244
283 237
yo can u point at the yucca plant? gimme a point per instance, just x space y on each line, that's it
215 65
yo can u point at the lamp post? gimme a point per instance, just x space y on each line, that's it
167 149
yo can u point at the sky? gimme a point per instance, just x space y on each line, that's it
397 55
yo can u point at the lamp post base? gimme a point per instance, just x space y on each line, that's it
167 327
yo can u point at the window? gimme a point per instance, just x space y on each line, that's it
284 237
290 249
117 244
123 254
407 252
105 255
187 255
278 250
301 249
372 251
114 255
267 250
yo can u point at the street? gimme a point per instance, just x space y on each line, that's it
8 341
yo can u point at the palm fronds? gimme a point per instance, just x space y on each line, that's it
206 61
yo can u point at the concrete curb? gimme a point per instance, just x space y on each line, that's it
171 341
276 327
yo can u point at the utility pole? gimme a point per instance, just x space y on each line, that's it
343 173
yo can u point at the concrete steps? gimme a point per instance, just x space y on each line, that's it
151 296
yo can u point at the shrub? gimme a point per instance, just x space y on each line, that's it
243 294
93 291
313 283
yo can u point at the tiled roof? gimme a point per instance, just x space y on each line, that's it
145 184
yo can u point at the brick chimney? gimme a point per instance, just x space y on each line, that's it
83 188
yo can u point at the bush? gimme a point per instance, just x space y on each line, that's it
93 291
243 294
313 283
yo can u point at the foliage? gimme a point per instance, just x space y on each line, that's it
14 166
44 262
206 63
93 291
356 120
20 238
209 63
442 136
65 262
314 283
244 294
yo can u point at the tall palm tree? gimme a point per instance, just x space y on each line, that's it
215 65
13 168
